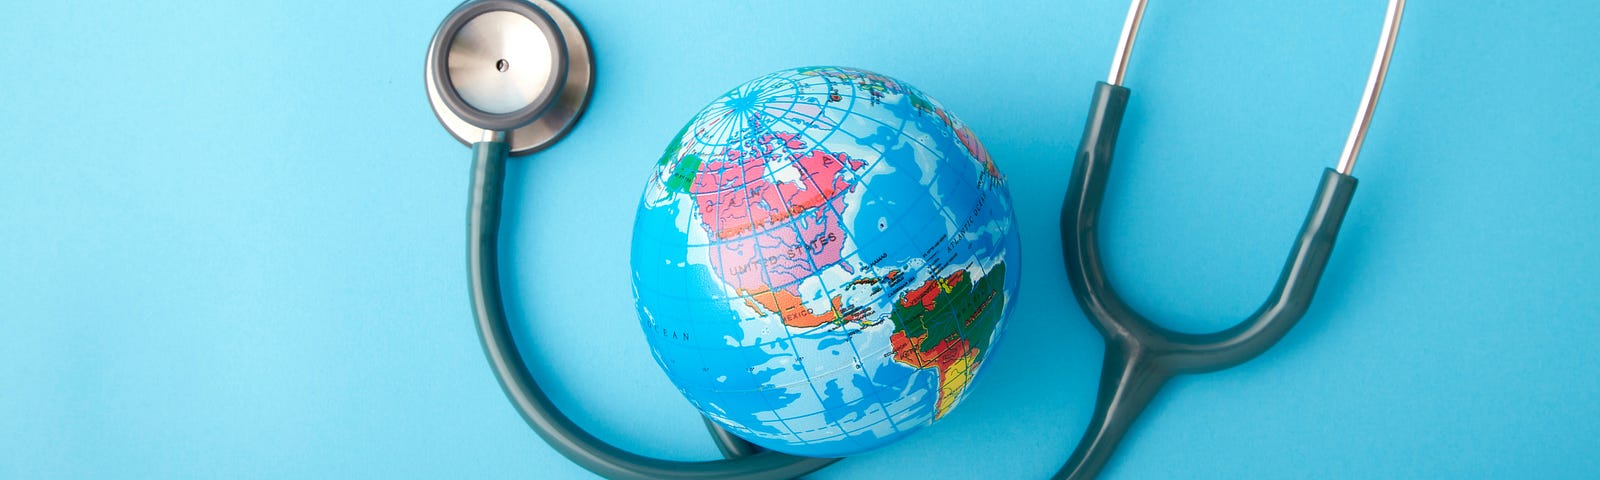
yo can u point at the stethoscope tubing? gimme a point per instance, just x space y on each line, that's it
1142 355
744 461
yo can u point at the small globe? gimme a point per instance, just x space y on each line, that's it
823 260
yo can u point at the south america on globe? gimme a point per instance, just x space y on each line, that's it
823 260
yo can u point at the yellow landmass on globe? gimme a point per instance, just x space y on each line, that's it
954 380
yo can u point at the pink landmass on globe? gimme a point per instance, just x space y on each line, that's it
769 234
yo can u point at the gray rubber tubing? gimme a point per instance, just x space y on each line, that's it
746 462
1142 355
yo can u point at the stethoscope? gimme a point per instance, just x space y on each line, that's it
511 77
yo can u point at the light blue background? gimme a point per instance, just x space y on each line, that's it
231 240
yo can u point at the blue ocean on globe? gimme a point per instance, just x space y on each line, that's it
823 260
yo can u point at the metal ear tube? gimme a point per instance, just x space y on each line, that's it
1141 355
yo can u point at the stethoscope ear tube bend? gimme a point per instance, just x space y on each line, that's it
572 441
1141 355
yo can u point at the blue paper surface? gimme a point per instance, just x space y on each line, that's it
232 242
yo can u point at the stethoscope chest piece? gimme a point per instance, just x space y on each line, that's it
518 66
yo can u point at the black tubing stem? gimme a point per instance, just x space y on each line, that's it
1142 355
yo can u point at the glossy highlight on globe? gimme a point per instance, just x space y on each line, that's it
824 259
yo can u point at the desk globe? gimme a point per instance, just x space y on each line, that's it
823 260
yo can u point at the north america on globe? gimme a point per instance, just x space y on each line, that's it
823 260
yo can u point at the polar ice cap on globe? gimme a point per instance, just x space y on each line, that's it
824 259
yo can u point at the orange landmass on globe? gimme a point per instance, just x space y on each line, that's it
793 309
